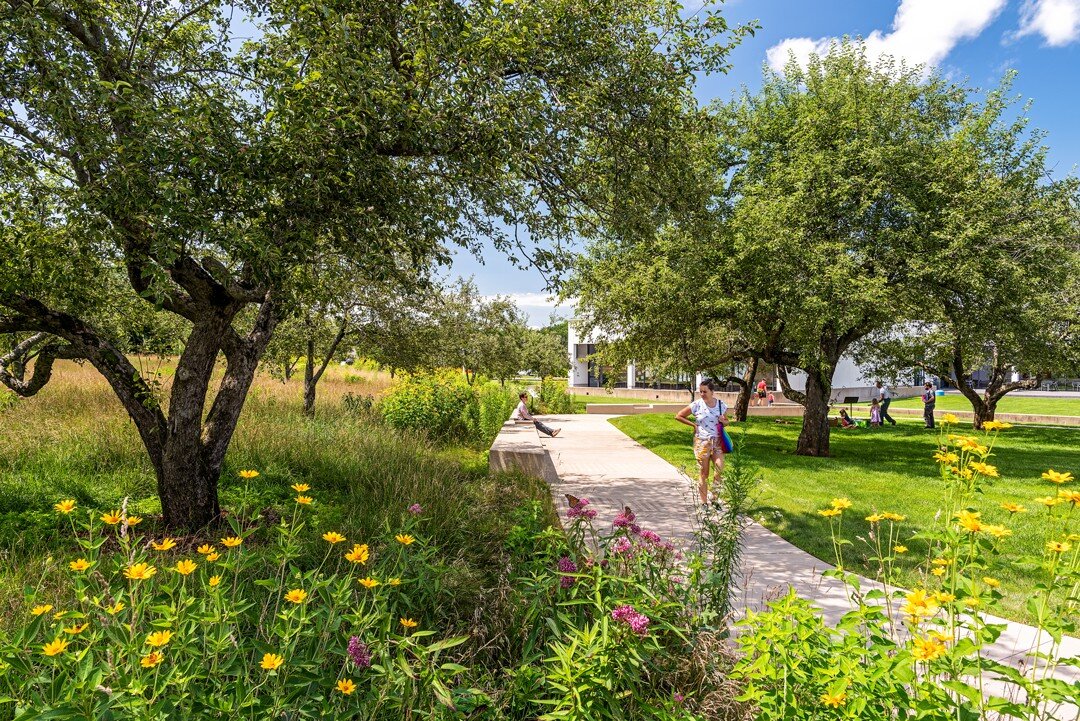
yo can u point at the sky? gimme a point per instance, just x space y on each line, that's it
970 41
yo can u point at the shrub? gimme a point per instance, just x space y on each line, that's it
496 403
554 398
441 405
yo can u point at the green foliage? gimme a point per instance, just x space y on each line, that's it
554 398
445 407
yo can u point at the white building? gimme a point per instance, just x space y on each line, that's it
848 378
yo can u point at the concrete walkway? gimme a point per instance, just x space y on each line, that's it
594 459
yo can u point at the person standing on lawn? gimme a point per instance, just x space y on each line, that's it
762 389
884 396
710 417
929 399
522 414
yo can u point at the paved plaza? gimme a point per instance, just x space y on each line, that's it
594 459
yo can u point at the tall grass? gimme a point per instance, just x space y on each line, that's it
73 440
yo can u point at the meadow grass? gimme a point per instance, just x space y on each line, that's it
1008 404
73 440
887 469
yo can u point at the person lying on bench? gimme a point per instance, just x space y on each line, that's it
522 415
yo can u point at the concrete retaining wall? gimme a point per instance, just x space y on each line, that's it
518 447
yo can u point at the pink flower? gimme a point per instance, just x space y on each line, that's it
622 545
638 622
359 652
567 566
625 519
578 510
416 509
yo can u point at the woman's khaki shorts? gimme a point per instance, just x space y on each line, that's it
707 449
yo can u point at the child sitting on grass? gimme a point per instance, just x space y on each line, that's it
846 421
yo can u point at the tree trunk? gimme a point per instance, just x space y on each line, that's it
309 380
814 438
746 388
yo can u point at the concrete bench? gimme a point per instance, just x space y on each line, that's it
518 447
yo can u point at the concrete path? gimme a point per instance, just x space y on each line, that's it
596 460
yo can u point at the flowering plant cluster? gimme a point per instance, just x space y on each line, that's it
231 626
927 652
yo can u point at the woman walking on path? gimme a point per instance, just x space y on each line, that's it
522 414
884 396
710 416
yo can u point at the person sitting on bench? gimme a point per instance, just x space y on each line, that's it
522 415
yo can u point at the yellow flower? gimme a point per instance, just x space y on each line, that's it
900 549
231 541
271 661
950 419
996 426
972 601
1048 501
151 659
139 571
829 512
65 507
304 500
39 610
927 649
404 539
76 629
394 581
333 537
297 595
54 647
946 457
841 503
368 582
833 699
939 571
940 636
996 531
1058 547
893 516
1013 507
211 557
942 562
407 622
944 597
115 608
164 545
159 638
969 521
206 549
112 518
214 581
249 474
133 521
984 468
80 564
1056 477
1072 497
186 567
59 614
875 518
991 582
301 487
346 686
358 554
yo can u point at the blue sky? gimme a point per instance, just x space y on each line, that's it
974 41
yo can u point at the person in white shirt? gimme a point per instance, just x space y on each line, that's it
522 415
884 396
710 415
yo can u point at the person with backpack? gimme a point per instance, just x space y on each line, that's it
929 399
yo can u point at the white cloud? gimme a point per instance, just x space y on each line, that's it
923 32
1058 21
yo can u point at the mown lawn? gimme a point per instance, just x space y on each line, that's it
1008 404
885 470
